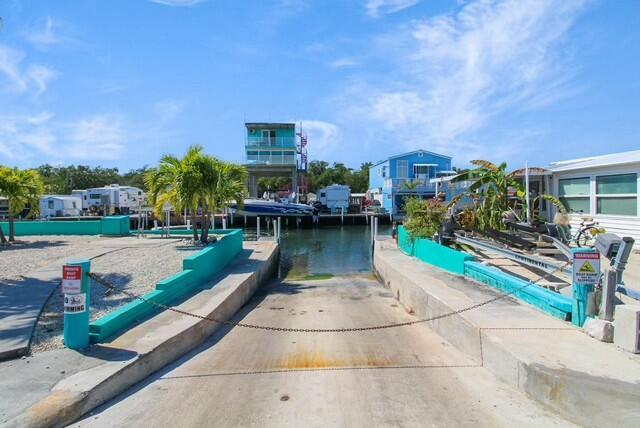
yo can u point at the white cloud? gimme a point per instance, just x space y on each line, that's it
457 71
324 137
343 63
169 109
39 138
377 7
178 3
45 35
20 78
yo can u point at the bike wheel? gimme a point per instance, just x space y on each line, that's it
585 238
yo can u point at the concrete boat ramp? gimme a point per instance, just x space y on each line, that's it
285 359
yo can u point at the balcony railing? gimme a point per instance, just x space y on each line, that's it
410 185
267 158
270 142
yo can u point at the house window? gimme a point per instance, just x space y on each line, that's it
402 168
421 170
574 194
617 194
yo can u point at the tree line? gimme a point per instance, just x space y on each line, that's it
61 180
321 174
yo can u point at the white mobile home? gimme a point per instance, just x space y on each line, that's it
60 206
335 197
122 198
603 187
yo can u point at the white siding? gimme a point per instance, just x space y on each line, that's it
619 224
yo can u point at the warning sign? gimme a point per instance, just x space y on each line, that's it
75 303
71 279
586 268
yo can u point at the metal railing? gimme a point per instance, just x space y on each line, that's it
410 184
270 142
270 159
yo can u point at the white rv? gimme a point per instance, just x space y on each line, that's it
122 198
60 206
335 197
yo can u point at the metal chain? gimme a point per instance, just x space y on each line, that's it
110 286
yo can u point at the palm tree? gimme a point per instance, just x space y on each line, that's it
177 182
22 188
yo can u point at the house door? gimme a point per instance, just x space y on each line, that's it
269 136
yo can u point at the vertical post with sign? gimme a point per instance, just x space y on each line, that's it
586 273
76 290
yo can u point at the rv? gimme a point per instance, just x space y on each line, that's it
335 197
60 206
4 208
114 198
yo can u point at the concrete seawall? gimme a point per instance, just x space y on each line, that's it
585 381
144 349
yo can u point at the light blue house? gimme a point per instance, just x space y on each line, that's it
407 174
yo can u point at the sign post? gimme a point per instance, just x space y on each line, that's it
76 290
586 274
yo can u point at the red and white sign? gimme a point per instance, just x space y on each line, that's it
71 279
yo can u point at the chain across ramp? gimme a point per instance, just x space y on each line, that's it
113 288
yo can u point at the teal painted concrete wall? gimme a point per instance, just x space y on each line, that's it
463 264
116 225
197 271
433 253
553 303
25 228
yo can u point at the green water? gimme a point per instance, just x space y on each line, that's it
326 251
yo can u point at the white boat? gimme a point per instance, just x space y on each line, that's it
261 207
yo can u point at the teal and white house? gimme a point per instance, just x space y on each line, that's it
270 151
392 180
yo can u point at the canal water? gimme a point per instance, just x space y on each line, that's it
327 251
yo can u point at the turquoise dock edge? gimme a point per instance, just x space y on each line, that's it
464 264
198 269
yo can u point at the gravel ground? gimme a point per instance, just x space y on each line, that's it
136 270
31 253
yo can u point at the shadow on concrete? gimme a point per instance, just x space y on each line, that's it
106 353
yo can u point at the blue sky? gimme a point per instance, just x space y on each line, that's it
121 82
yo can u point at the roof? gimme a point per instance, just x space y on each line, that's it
62 197
613 159
269 125
411 153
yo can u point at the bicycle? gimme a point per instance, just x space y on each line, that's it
587 232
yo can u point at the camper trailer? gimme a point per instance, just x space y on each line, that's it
335 197
60 206
4 208
111 199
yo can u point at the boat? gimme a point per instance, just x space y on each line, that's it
266 208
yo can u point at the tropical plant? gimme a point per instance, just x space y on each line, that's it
23 189
490 193
424 217
177 182
197 181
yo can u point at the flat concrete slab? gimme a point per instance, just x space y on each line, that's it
21 302
404 376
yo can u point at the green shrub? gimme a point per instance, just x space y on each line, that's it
424 217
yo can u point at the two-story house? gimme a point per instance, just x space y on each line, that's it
392 180
270 151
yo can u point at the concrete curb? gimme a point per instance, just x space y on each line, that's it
154 344
585 381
